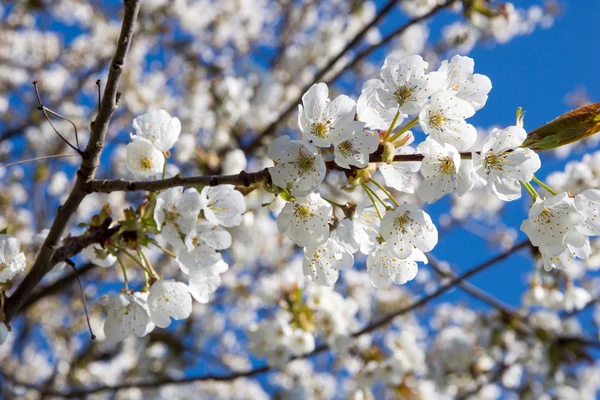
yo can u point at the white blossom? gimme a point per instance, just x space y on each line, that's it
359 232
126 314
299 165
457 75
444 171
12 260
372 111
324 122
176 213
503 164
323 262
306 221
168 299
406 86
384 267
159 128
143 159
443 119
222 205
407 228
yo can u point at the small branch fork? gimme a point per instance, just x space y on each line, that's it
46 110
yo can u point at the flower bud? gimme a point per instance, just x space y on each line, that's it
389 150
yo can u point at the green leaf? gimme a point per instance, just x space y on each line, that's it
568 128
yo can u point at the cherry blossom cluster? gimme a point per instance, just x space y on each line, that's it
368 135
191 222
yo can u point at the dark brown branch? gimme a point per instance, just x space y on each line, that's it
270 130
91 160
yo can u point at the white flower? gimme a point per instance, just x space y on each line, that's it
401 175
222 205
12 261
126 314
455 349
561 257
159 128
372 111
360 232
502 164
443 170
202 247
407 228
588 204
384 267
576 298
204 283
168 299
143 159
554 222
405 84
300 166
301 342
354 148
176 213
323 262
444 120
98 256
306 221
322 121
457 75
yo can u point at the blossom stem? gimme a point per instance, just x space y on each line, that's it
166 251
392 125
153 273
124 274
368 191
530 190
542 184
377 196
405 128
387 192
164 171
128 254
333 203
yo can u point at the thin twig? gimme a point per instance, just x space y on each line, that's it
38 159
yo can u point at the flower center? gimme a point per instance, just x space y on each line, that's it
345 148
320 129
403 94
145 163
492 162
546 215
303 212
436 119
446 165
403 220
306 162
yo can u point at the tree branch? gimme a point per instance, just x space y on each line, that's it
89 164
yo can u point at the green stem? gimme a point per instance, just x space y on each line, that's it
124 274
166 251
153 273
392 126
530 190
164 172
405 128
366 188
542 184
387 192
335 204
138 262
385 205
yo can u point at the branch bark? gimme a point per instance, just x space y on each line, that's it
87 170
